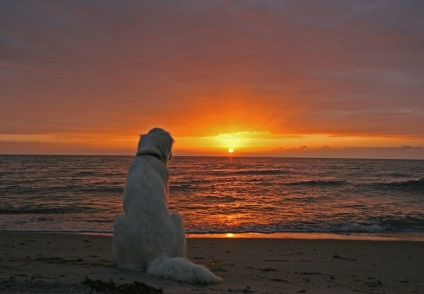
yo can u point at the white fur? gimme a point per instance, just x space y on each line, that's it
147 237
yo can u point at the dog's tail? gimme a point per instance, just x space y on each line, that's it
180 269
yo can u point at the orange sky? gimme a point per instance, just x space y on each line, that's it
266 78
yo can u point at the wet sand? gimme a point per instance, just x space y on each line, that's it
77 263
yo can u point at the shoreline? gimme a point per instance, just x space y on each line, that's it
413 237
44 262
355 236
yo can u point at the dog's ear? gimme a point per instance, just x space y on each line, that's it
139 143
165 142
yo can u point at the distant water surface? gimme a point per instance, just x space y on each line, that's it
219 194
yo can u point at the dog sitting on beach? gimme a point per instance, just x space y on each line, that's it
147 237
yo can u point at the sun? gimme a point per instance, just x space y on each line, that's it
231 150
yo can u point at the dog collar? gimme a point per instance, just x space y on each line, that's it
151 154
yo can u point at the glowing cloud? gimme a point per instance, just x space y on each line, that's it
260 77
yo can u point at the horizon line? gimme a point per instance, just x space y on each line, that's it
218 156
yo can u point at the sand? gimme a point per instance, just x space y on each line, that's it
60 263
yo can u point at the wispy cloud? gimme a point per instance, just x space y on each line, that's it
207 67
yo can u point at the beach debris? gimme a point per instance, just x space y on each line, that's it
245 290
280 280
373 284
59 260
331 277
215 265
310 273
9 283
112 288
276 260
343 258
268 269
306 280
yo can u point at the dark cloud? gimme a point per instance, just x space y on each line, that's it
350 67
402 152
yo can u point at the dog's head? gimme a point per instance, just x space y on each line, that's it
156 142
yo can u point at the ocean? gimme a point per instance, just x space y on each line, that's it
219 195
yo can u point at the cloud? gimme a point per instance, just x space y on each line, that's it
402 152
207 67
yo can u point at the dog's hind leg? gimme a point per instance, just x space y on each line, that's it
120 241
123 246
179 234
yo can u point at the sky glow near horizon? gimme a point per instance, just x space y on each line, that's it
265 78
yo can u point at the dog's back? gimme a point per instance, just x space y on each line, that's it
147 237
147 181
145 196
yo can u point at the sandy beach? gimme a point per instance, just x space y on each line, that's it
77 263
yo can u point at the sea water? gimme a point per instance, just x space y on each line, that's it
219 194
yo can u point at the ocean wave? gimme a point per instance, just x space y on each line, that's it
404 224
180 187
347 228
407 185
102 189
216 195
221 198
410 224
89 189
105 221
76 231
68 189
43 210
318 183
102 225
86 173
260 172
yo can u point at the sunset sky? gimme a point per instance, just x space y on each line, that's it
265 78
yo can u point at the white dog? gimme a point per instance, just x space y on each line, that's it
147 237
